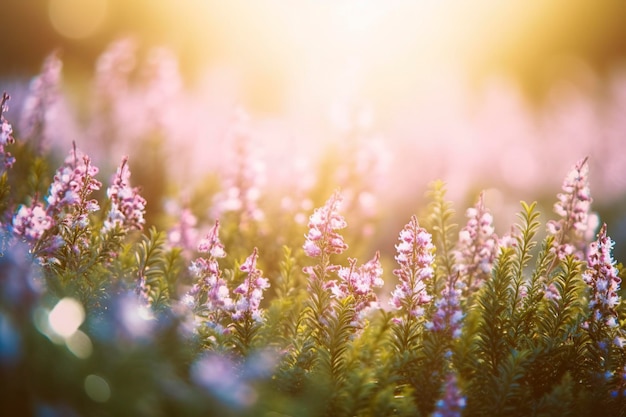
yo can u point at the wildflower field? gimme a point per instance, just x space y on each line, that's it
156 268
234 305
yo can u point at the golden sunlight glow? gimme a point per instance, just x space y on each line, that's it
385 49
77 19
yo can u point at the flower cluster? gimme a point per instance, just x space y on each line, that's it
6 136
73 183
210 293
359 282
477 247
250 291
31 222
448 314
415 255
602 278
68 203
572 230
127 206
322 238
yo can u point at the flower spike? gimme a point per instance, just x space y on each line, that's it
415 257
573 206
323 224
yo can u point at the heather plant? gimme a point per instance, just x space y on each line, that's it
228 311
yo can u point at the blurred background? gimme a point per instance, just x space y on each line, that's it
484 94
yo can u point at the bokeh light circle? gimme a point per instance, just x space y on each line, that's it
97 388
66 317
77 19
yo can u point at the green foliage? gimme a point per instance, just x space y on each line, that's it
439 222
152 268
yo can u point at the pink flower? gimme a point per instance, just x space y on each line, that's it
250 291
211 244
573 206
322 237
359 282
209 296
415 255
31 222
602 278
6 138
127 206
448 314
477 246
73 183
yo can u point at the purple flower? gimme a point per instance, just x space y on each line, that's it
359 282
31 222
73 183
573 206
602 278
250 291
211 244
477 246
448 314
209 296
323 223
415 255
452 402
127 206
6 138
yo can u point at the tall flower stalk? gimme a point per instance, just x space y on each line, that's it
415 256
328 319
476 248
323 241
603 282
247 314
70 204
127 206
574 229
209 297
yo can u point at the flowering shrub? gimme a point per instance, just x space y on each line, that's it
102 312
